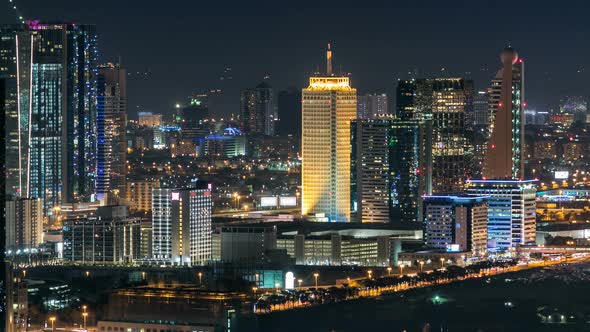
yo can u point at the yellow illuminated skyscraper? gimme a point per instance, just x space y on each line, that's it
329 104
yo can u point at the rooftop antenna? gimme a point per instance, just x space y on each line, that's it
329 61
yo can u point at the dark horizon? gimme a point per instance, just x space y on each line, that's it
185 47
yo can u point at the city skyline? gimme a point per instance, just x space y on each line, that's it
379 47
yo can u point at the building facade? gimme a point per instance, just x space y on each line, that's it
329 104
257 110
181 225
110 237
511 211
372 105
111 123
139 194
446 102
16 65
390 169
24 223
456 223
505 152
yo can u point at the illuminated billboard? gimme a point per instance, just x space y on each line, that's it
560 175
269 201
288 201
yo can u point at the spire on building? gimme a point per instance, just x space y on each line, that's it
329 61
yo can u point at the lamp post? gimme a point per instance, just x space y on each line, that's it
52 319
200 278
84 314
370 272
299 281
442 262
421 265
401 269
389 271
254 289
316 275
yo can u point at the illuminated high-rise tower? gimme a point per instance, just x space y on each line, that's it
63 147
504 155
329 104
16 60
110 123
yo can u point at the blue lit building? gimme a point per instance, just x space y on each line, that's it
511 211
63 147
456 224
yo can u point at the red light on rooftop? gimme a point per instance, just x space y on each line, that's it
524 104
493 146
500 104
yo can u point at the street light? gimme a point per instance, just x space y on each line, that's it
87 274
369 273
316 275
389 270
84 314
254 289
421 265
52 319
401 269
442 262
299 281
200 278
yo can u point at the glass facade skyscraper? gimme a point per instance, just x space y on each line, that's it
111 123
446 102
63 153
16 61
391 168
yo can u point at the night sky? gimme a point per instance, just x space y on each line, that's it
185 45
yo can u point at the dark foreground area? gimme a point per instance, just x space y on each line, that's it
543 299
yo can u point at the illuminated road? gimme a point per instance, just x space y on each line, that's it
378 291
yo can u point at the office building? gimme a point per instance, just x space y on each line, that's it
257 110
336 249
111 122
149 119
231 144
289 108
481 109
456 224
446 102
511 211
139 194
193 114
370 181
64 112
24 223
329 104
246 243
108 237
390 169
372 105
16 61
405 93
181 225
505 152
